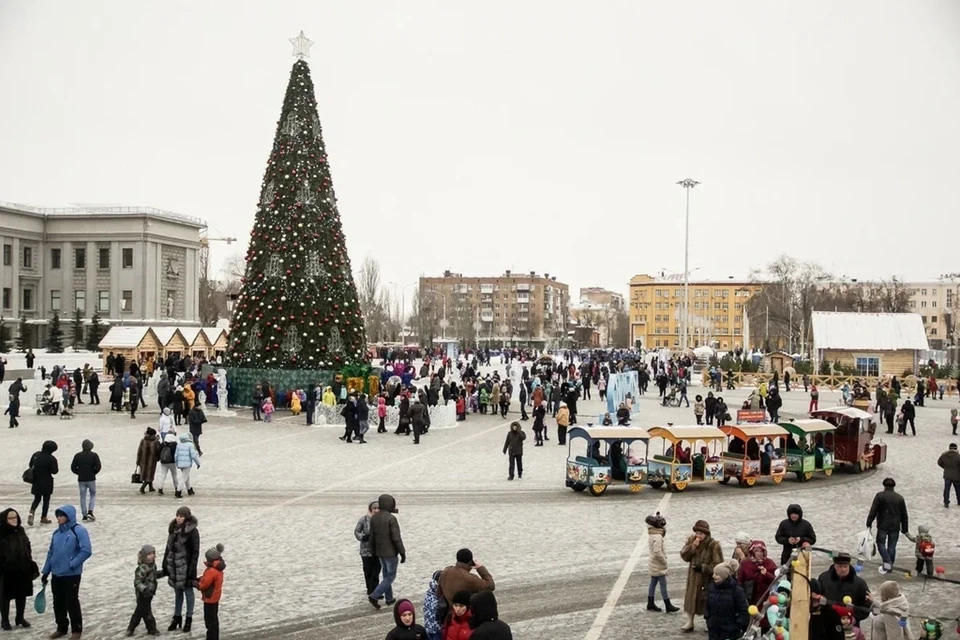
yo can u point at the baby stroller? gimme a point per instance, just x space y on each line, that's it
672 398
45 405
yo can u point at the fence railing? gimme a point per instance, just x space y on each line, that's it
832 382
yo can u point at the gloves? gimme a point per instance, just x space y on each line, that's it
44 578
403 558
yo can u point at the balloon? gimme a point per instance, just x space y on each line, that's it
773 610
752 610
847 600
774 599
941 571
782 599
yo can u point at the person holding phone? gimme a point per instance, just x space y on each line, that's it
460 577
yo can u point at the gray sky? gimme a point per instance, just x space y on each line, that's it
538 135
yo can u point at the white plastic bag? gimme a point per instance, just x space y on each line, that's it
866 545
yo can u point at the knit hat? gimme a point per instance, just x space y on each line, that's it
702 526
726 569
146 550
889 590
843 611
151 431
889 483
742 538
465 556
462 597
184 511
953 446
757 545
214 553
841 558
405 606
657 521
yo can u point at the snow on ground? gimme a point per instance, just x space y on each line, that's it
69 358
284 499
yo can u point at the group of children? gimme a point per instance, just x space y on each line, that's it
728 604
210 586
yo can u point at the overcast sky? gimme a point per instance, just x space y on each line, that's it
541 135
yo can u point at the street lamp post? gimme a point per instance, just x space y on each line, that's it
688 184
403 300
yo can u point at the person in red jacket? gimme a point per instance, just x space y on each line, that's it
756 572
457 624
211 586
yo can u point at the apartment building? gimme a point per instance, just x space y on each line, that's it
602 297
938 304
135 265
514 309
717 312
595 316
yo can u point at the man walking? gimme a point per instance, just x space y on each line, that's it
889 509
950 463
387 545
86 465
69 549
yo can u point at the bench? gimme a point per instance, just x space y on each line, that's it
588 461
735 456
666 459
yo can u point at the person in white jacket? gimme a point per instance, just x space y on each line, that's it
657 563
168 458
186 457
890 614
166 423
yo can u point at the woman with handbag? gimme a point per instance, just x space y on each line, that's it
147 454
17 568
43 466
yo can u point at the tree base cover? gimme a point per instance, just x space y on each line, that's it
243 380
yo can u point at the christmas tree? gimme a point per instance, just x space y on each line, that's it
76 340
55 335
298 306
95 333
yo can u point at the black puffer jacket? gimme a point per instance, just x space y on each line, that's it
801 529
402 632
889 509
835 588
16 559
182 554
45 466
385 539
726 613
485 620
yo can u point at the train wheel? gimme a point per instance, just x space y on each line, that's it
828 472
598 489
777 479
801 477
579 487
749 482
807 476
679 486
657 484
725 480
634 488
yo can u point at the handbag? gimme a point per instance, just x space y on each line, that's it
135 476
40 600
28 476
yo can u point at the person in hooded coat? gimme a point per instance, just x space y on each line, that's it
726 609
485 619
196 419
387 543
756 572
69 549
86 466
406 629
148 452
180 565
703 553
794 532
44 466
177 405
17 568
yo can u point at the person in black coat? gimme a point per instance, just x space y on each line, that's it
17 388
825 622
726 607
311 402
351 424
710 407
909 415
774 402
17 568
44 467
889 510
116 394
363 417
794 532
177 405
196 419
179 565
841 580
93 384
78 380
485 620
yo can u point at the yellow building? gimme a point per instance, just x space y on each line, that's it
717 315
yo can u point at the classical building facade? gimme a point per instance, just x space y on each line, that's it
717 312
513 309
135 265
937 302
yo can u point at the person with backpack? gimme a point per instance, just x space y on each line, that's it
167 459
69 549
186 457
43 466
434 609
86 466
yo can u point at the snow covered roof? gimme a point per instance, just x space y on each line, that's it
190 334
868 331
213 333
166 334
123 337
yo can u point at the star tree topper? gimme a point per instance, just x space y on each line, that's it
301 46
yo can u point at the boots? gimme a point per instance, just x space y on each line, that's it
688 625
160 491
178 494
669 608
190 491
187 623
175 623
143 488
150 485
46 521
652 605
30 519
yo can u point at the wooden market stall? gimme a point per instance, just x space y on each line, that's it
133 343
199 345
218 339
172 342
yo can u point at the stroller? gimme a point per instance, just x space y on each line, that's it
45 405
672 398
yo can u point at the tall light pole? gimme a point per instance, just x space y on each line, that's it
688 184
403 301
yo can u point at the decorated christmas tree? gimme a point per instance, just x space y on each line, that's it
298 306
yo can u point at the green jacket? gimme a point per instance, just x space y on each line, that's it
145 579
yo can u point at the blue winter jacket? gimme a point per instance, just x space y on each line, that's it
69 546
186 454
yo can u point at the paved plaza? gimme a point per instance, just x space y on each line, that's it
284 498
